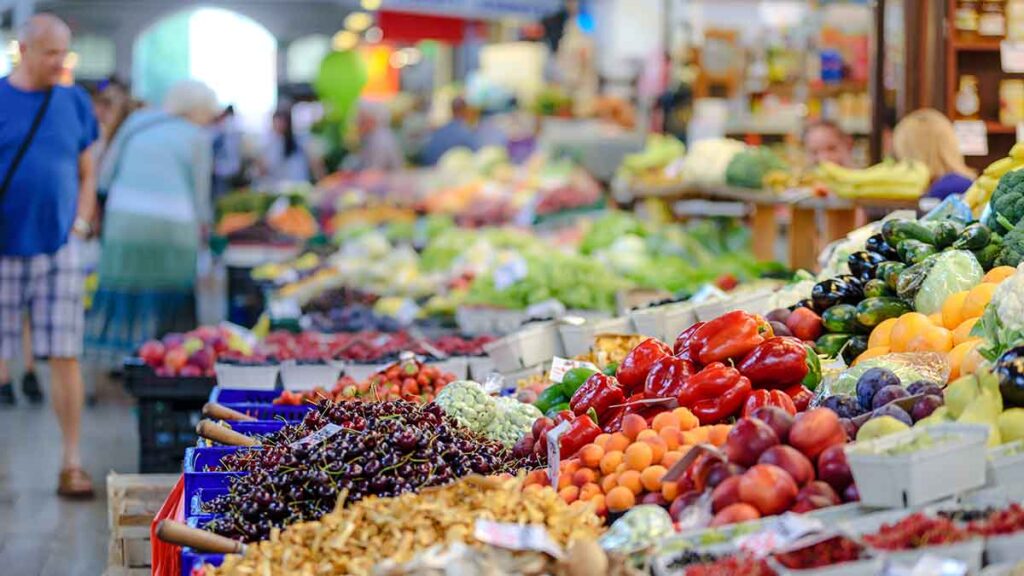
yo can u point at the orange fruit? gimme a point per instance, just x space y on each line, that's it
630 479
602 439
998 274
717 433
651 477
687 421
664 420
906 328
610 461
565 480
646 435
871 353
600 508
658 448
619 499
633 425
972 359
618 442
936 319
977 299
672 437
608 482
956 358
953 309
584 476
638 456
537 477
880 335
570 466
569 494
589 490
962 333
936 339
669 490
670 458
590 455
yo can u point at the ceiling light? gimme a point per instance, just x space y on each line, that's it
374 34
358 21
371 4
344 40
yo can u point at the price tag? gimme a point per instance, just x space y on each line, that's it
494 383
318 436
1011 56
554 451
510 272
559 366
930 565
284 308
973 137
516 537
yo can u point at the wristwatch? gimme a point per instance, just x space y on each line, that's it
81 227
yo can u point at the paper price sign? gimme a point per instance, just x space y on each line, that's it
318 436
554 451
1011 56
559 366
516 537
973 137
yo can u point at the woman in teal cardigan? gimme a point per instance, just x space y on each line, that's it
157 175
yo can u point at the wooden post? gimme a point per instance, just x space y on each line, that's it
877 83
764 230
803 234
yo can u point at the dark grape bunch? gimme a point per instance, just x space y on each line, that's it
384 449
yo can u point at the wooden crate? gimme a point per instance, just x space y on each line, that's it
132 502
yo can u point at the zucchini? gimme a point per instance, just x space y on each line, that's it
840 318
876 288
987 256
944 233
897 231
830 344
889 272
854 347
914 251
974 237
872 311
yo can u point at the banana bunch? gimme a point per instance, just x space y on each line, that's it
978 194
887 180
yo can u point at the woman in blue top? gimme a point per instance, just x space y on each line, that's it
926 135
157 175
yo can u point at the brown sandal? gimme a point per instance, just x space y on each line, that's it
75 483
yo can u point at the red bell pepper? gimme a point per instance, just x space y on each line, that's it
801 396
612 420
632 372
564 416
715 393
582 431
667 377
600 392
684 346
780 362
731 335
777 398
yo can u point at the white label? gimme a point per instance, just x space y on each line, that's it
929 565
559 366
1020 131
973 137
284 308
510 272
516 537
1011 56
318 436
407 312
555 452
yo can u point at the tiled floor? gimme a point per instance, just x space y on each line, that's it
41 534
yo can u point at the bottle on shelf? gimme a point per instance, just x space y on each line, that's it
968 104
1015 20
992 19
965 19
1011 102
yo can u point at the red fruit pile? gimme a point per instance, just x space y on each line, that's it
337 393
365 347
1005 521
834 551
731 566
189 355
916 531
407 380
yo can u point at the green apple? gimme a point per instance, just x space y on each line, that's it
1011 425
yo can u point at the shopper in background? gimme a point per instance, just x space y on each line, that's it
47 198
285 157
825 141
113 104
456 133
927 136
491 131
158 173
379 148
227 152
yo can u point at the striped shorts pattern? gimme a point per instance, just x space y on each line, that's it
49 288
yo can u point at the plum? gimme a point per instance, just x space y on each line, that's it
888 394
925 406
778 315
844 405
894 411
924 387
871 382
850 427
780 329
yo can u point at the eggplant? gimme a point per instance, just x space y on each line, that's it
828 293
805 303
853 348
856 293
1010 370
862 264
877 245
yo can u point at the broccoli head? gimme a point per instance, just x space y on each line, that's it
1012 252
1007 203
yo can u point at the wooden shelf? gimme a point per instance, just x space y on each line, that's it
997 128
981 45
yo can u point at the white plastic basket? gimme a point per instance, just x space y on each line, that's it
679 318
360 372
480 367
299 377
952 466
457 365
969 552
1007 548
579 338
1005 469
650 321
505 353
865 567
241 377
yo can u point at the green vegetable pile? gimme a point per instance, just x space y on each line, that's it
501 419
748 168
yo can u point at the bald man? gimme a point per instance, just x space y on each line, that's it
47 196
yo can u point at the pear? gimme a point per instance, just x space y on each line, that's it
985 409
941 415
1011 425
960 393
878 427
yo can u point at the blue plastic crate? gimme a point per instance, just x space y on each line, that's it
231 396
200 485
254 428
272 412
191 559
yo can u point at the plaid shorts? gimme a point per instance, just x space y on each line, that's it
49 287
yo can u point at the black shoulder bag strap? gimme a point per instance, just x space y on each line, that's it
20 154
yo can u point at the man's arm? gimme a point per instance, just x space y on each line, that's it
86 187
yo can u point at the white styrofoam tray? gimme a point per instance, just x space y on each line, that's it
650 321
1005 548
457 365
360 372
868 566
299 377
533 344
925 475
1005 469
241 377
969 552
480 367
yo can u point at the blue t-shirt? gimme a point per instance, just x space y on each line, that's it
41 202
948 184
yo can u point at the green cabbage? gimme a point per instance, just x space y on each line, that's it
953 271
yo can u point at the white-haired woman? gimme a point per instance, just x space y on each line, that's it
157 176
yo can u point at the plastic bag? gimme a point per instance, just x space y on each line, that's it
909 367
167 557
952 208
639 528
951 272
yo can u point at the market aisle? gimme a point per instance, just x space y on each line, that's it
40 534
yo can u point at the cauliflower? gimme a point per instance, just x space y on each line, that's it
1002 324
468 404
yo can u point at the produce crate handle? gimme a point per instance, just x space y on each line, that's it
179 534
221 412
223 435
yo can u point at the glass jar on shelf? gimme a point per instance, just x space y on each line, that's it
965 19
968 104
992 19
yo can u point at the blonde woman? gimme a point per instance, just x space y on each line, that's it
927 136
158 174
